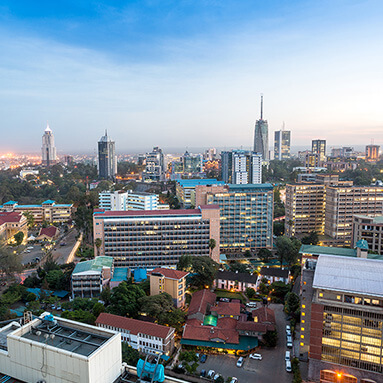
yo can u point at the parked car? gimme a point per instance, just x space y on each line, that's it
251 304
210 374
289 344
234 380
288 328
216 376
203 358
240 361
63 244
224 299
288 366
255 356
202 373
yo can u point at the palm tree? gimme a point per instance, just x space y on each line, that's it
98 243
212 245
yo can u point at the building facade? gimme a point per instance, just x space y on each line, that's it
146 337
282 145
369 228
172 282
49 211
305 208
319 147
127 200
341 320
107 159
344 202
155 165
10 224
185 190
372 153
235 281
48 149
241 167
261 136
156 238
246 213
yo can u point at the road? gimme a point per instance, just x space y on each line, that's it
270 369
61 254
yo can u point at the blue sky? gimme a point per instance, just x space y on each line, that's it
189 73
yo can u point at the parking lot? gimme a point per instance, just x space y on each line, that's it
270 369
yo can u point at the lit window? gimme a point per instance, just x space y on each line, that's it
302 329
303 314
302 344
339 297
303 321
321 295
302 336
303 306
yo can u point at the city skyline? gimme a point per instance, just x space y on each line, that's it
181 74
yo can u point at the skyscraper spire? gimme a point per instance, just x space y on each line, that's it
261 106
106 132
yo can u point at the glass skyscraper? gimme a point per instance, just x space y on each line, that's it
107 160
261 136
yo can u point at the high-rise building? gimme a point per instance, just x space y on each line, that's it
261 136
319 147
370 229
155 165
341 316
150 238
48 149
282 145
241 167
343 202
305 204
107 159
246 213
372 152
192 163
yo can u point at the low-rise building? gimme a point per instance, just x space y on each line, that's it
273 274
10 224
48 233
89 278
235 281
49 211
127 200
170 281
146 337
56 350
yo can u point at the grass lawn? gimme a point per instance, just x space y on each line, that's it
228 294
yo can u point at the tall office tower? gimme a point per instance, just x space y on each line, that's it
370 229
305 204
246 213
241 167
341 315
261 136
107 159
282 145
372 152
210 154
344 202
150 238
192 163
319 147
48 149
155 165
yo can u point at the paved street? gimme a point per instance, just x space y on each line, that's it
270 369
61 254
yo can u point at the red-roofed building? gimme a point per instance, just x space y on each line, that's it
48 233
146 337
169 281
226 310
264 315
11 223
200 304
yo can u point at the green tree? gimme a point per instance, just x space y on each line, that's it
279 228
204 269
189 361
106 295
264 255
250 292
311 239
98 243
184 263
125 299
9 262
270 338
292 304
287 249
238 266
30 219
97 309
129 354
80 316
212 245
55 279
19 236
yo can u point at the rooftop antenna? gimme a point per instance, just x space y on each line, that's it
261 106
106 132
283 125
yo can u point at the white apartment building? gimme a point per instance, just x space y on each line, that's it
146 337
127 200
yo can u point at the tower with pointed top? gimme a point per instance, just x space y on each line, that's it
107 159
48 149
261 136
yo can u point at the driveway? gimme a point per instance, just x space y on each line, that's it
270 369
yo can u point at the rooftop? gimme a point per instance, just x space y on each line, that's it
50 231
378 219
170 273
144 213
274 272
10 217
265 186
195 182
134 326
80 339
240 277
339 251
95 264
200 300
353 275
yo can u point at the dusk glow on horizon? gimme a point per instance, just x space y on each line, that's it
180 74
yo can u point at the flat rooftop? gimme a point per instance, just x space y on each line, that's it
63 337
350 275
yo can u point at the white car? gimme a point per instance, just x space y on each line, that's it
234 380
288 328
255 356
210 374
240 361
216 376
289 344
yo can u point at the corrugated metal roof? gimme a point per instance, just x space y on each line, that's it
354 275
94 264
